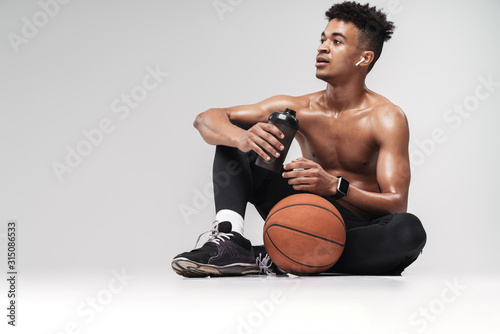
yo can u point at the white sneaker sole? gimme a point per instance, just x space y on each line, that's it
189 268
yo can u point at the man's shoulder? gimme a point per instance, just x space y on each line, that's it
311 97
388 120
384 110
297 103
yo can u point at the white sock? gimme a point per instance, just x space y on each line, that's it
231 216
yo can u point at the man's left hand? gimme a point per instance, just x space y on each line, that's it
307 175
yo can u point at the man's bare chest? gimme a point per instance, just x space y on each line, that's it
342 143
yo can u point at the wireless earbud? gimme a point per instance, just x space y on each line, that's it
360 61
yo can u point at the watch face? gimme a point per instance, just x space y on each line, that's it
343 186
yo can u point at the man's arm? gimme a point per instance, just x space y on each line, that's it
393 167
393 170
216 129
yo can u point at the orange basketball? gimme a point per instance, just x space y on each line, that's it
304 234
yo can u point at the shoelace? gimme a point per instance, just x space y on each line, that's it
216 236
265 264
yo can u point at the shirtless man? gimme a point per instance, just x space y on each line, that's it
345 131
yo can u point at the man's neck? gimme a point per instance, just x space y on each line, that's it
344 96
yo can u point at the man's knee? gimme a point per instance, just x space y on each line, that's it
233 151
239 124
411 231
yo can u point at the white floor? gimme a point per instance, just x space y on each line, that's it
166 303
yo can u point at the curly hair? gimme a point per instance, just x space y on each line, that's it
374 29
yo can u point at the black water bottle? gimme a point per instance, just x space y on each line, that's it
288 124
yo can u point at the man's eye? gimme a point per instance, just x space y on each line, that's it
322 41
336 41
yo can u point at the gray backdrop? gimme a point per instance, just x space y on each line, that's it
102 168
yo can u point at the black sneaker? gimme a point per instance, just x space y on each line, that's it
226 253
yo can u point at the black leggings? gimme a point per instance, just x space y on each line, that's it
383 246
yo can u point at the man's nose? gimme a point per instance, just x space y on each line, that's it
324 47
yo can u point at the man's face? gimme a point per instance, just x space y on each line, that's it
338 51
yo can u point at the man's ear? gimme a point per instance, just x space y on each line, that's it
368 56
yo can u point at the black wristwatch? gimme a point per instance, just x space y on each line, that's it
342 188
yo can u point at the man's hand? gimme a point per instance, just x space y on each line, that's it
261 138
307 175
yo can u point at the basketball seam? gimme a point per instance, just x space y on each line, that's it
289 206
307 233
302 264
